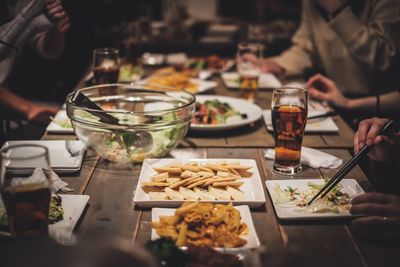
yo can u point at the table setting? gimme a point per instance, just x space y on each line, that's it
247 147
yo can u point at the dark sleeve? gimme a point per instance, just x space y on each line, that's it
385 177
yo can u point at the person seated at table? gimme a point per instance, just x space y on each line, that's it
381 210
42 22
323 89
354 42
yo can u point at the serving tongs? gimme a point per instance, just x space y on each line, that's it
350 164
129 139
81 100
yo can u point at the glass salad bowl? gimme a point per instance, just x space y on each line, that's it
144 123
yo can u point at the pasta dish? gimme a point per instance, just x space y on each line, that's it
172 80
203 224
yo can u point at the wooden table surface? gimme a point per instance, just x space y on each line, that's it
111 187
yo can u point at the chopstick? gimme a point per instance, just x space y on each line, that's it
328 114
349 165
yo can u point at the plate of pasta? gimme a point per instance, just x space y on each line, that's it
169 182
220 226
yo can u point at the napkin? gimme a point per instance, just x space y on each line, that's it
312 157
39 177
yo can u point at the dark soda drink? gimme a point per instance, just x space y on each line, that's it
288 122
106 75
27 209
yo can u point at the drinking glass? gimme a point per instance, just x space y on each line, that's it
106 63
248 59
24 186
289 117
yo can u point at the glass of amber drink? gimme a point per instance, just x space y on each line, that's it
106 63
248 59
24 186
289 117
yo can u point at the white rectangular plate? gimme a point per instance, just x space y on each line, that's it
60 159
73 206
252 186
251 237
60 118
350 186
266 80
321 125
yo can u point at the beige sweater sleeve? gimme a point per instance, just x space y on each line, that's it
298 58
377 43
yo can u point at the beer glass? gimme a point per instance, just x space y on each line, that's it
24 186
289 117
248 59
106 63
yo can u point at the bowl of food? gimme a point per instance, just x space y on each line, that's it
128 123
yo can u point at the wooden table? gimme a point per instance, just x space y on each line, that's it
111 188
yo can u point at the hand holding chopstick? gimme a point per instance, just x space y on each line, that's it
349 165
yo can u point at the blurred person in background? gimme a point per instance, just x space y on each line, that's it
353 42
41 24
381 209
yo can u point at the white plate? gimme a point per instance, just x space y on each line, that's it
321 125
266 80
73 206
203 85
55 127
60 159
253 112
349 186
252 238
252 186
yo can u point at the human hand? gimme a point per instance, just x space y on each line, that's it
56 13
382 216
384 147
331 5
324 89
41 113
268 65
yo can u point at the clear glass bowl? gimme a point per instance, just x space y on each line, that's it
150 123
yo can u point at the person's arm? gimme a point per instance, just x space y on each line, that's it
324 89
375 43
51 43
388 104
299 57
28 110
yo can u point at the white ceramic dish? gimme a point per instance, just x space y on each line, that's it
61 160
252 238
266 80
283 212
253 112
60 119
73 206
320 125
252 187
